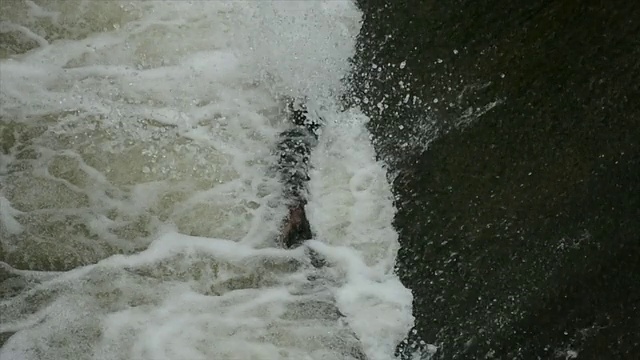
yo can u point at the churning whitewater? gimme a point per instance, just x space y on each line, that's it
138 203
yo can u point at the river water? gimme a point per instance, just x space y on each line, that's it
138 205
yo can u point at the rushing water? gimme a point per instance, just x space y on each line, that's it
138 205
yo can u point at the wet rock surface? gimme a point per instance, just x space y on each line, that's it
512 130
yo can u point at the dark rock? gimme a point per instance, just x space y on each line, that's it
519 189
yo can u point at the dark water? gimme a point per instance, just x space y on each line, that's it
520 222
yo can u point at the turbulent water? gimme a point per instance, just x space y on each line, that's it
138 203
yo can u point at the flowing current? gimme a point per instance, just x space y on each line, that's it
138 203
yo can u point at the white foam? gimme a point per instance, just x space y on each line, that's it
142 144
352 211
